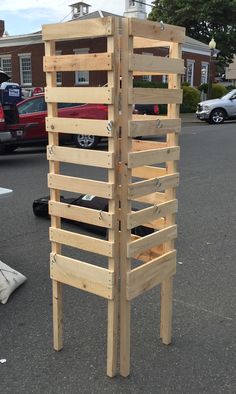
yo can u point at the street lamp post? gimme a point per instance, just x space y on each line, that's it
212 47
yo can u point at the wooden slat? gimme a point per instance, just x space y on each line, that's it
154 96
142 188
81 214
154 127
84 242
82 275
156 64
148 275
79 95
137 159
90 62
77 29
80 156
147 172
156 30
151 240
154 198
150 214
80 185
140 42
141 145
103 128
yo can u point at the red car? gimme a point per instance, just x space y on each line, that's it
32 112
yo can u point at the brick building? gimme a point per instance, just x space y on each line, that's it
22 56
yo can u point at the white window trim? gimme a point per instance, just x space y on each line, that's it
59 72
77 52
6 57
192 62
206 64
147 78
22 55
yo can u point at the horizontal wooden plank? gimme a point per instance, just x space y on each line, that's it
154 127
82 275
152 199
79 95
137 159
81 214
154 96
141 42
147 172
148 275
156 64
77 29
80 185
84 242
150 214
162 183
156 30
103 128
86 157
151 240
141 145
84 62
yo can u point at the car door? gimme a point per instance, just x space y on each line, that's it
32 113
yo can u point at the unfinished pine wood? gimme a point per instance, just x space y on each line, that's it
141 145
152 156
156 127
81 214
82 275
54 168
113 78
103 128
84 62
80 185
94 158
155 64
79 95
154 198
142 42
84 242
143 216
156 30
148 172
78 29
148 275
155 96
151 240
149 186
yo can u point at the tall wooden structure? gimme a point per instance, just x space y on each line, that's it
141 175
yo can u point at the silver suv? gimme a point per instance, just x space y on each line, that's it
218 110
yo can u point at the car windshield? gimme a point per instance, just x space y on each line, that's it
30 106
229 95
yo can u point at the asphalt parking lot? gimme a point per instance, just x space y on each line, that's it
202 357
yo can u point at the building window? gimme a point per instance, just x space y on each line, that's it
81 77
204 72
5 65
131 3
190 72
25 70
147 78
59 73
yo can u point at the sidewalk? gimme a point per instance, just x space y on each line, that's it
189 118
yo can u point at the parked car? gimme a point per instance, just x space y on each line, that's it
30 130
218 110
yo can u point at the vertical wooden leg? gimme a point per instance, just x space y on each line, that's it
57 315
166 310
125 308
112 337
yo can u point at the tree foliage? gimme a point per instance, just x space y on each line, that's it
203 19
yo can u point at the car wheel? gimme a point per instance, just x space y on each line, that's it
217 116
86 141
6 149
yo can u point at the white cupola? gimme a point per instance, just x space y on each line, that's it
135 9
79 9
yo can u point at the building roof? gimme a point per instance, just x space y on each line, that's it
97 14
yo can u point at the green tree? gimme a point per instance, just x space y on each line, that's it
203 19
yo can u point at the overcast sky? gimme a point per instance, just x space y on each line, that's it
27 16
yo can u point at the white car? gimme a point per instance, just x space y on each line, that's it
218 110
